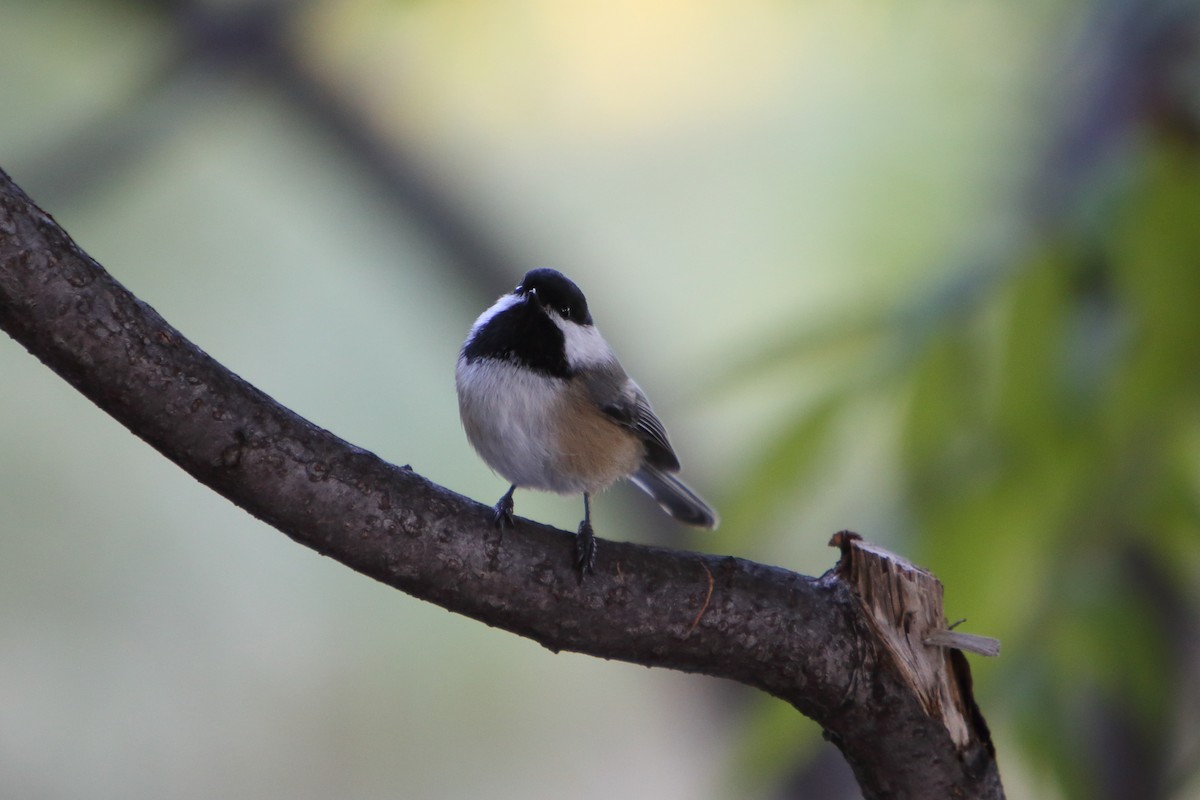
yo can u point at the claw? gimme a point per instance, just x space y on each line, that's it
502 516
585 549
585 541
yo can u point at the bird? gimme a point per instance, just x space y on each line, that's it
547 405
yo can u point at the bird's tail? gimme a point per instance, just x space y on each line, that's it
675 498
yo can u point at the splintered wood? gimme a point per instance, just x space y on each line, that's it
904 606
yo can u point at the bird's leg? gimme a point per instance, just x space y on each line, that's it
585 541
503 516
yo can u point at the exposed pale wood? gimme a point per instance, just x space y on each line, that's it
904 606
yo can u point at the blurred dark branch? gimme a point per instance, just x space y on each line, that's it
1133 70
1133 74
255 39
1167 755
802 639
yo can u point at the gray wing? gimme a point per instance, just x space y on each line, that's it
624 401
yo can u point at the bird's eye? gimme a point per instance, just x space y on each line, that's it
565 311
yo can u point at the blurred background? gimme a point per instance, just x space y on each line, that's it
928 271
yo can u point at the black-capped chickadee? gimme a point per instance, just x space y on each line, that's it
547 405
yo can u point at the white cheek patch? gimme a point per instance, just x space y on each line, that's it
503 304
584 345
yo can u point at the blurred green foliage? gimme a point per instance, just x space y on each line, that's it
1047 432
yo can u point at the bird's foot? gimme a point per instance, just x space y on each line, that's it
502 516
585 549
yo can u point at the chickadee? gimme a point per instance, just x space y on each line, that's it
546 404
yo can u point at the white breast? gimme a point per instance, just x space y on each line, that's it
507 413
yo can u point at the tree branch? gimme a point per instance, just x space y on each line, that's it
805 640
